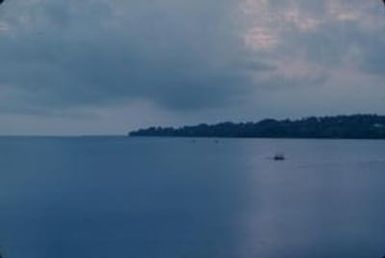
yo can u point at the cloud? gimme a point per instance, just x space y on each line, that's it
186 56
176 53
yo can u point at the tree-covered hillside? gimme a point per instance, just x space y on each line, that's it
343 126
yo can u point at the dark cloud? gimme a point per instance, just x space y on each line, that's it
178 54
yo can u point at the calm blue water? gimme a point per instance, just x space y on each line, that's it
178 198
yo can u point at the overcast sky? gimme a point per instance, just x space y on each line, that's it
109 66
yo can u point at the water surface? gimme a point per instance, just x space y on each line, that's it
172 198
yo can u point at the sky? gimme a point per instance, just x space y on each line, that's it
111 66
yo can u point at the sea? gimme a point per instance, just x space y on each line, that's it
125 197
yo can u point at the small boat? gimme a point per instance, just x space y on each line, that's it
279 157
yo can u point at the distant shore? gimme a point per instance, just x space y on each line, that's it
360 126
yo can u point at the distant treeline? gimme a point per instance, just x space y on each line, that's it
343 126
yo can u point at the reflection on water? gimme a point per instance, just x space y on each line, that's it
171 198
